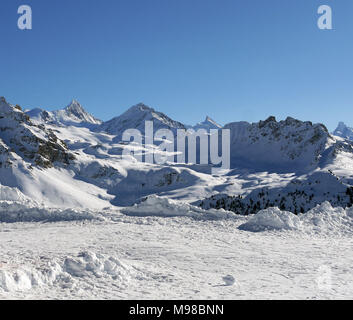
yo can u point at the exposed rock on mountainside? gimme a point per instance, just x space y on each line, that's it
34 143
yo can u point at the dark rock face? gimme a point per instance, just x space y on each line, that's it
34 143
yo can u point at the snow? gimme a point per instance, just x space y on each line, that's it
65 274
14 211
285 146
73 114
135 117
323 219
272 219
164 257
164 207
268 156
208 124
95 224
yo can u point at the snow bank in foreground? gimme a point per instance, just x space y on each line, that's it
64 274
272 219
321 219
164 207
14 211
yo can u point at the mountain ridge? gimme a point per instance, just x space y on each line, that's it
72 114
82 165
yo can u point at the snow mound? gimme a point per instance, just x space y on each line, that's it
64 274
321 219
164 207
16 211
326 219
88 263
272 219
17 280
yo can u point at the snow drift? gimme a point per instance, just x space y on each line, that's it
65 273
164 207
15 211
321 219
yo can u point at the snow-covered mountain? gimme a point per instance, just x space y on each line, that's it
303 164
135 117
290 145
344 131
68 158
73 114
208 124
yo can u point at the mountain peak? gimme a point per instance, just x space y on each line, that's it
141 107
208 124
341 125
136 116
75 111
344 131
6 108
74 105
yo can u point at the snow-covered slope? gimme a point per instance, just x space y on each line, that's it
344 131
298 196
35 161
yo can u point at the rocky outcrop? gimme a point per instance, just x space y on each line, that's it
34 143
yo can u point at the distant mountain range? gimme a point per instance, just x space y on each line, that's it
69 158
73 114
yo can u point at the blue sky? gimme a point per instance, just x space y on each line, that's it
232 60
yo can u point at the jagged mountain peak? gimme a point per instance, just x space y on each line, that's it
344 131
74 105
208 124
341 124
75 112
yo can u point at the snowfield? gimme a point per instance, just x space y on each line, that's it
180 252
